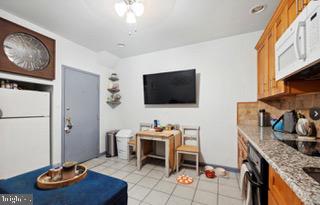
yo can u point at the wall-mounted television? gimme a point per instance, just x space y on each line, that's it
177 87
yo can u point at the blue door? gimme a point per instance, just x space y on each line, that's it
80 115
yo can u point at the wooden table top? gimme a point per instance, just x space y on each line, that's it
163 134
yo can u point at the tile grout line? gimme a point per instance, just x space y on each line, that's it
138 185
196 189
149 188
144 176
175 186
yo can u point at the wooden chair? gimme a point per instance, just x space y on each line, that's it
132 144
189 146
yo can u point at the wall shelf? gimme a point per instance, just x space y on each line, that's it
114 99
113 79
113 90
113 102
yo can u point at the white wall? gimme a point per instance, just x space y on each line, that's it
227 69
73 55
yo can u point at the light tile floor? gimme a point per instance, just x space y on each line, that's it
149 186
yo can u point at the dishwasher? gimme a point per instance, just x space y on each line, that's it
257 175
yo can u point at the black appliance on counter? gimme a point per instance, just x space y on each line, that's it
257 176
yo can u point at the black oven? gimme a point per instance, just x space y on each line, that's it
257 176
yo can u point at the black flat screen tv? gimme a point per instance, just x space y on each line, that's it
177 87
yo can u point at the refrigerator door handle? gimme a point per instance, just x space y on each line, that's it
1 113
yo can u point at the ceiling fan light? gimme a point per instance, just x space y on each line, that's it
121 8
137 8
131 18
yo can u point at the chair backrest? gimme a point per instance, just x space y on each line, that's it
190 135
145 126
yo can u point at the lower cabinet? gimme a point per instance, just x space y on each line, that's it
242 149
271 199
279 192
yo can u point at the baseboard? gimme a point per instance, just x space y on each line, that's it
230 169
102 153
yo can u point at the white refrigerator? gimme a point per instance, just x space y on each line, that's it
24 131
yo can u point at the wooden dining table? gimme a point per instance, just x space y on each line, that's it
171 138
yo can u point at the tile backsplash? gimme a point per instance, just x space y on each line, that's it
248 112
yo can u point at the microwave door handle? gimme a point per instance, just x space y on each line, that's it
299 55
304 41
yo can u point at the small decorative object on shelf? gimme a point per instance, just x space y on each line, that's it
114 77
113 88
114 99
114 102
9 85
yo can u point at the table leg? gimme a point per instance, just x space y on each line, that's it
167 144
138 153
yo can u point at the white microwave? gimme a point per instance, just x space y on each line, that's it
299 46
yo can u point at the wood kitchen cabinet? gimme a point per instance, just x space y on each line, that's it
276 87
271 199
242 149
268 87
263 70
279 192
294 7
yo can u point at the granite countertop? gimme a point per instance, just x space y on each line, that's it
286 161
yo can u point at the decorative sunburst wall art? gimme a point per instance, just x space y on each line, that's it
26 52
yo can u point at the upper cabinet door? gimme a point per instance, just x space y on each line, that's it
263 77
286 12
305 2
281 23
292 10
276 87
271 60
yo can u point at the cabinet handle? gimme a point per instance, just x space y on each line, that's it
273 180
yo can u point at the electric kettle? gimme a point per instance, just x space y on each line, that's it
305 128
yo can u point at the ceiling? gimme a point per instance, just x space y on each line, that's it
165 23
